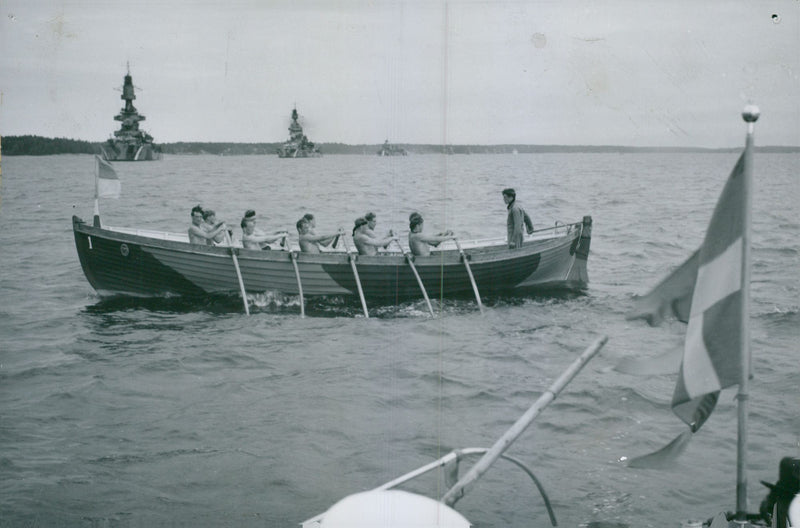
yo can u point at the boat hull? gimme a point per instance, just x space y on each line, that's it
121 263
294 152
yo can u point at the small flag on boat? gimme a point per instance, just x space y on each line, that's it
706 291
108 184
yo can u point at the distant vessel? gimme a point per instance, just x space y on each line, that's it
298 145
388 149
129 143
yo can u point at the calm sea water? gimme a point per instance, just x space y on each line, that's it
169 413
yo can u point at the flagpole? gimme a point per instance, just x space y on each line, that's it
96 222
750 114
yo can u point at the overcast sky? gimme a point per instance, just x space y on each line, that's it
641 73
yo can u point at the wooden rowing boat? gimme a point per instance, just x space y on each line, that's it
124 261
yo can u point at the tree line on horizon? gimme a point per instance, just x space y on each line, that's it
32 145
42 146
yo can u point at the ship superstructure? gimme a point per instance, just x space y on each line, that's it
298 145
129 142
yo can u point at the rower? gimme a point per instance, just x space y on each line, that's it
311 242
366 244
198 233
253 238
420 244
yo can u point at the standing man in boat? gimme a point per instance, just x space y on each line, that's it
311 242
518 219
198 234
366 244
420 244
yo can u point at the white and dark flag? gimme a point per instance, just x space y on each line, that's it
108 184
711 354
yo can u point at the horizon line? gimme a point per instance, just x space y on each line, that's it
435 145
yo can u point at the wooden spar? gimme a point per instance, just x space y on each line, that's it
293 256
469 272
505 441
238 271
355 274
410 261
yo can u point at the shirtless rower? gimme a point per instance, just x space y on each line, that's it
253 238
420 244
372 221
210 223
310 242
198 234
366 244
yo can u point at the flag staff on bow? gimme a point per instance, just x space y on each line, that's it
750 114
96 221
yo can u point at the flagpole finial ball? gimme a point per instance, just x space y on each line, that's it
751 113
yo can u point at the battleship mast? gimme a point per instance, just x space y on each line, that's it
128 116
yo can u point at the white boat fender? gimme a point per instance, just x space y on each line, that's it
391 509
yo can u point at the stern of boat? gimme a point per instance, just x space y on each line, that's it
578 275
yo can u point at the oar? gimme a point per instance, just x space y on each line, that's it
238 271
293 256
410 261
522 423
469 272
355 273
286 245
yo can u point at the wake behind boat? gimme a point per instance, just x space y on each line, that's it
129 261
